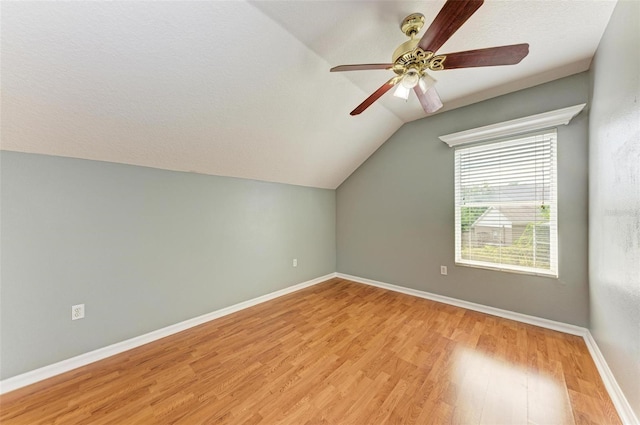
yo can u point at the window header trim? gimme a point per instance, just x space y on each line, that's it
509 128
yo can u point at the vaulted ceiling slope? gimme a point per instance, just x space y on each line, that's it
243 89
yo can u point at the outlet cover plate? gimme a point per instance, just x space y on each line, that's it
77 312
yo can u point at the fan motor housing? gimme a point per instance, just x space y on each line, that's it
405 48
409 55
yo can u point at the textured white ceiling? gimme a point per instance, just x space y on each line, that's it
243 89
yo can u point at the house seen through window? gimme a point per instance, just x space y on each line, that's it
505 204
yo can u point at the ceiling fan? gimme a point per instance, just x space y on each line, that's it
412 59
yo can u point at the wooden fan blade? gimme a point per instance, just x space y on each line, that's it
361 67
492 56
430 100
375 96
453 14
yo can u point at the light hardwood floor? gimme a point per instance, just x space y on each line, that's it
335 353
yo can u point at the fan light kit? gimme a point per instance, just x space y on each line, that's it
413 58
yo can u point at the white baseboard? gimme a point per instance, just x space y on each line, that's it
49 371
512 315
621 403
615 392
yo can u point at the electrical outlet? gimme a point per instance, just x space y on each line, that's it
443 270
295 262
77 312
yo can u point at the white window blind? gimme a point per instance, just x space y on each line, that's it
505 205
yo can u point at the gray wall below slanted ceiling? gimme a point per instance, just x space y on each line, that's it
142 248
614 198
395 216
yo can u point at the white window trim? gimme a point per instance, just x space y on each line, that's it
554 242
515 127
508 129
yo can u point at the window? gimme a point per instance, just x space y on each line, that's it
505 205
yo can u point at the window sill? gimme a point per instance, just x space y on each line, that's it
523 270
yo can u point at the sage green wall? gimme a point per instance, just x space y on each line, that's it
614 198
142 248
395 215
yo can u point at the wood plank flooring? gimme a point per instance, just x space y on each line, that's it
335 353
